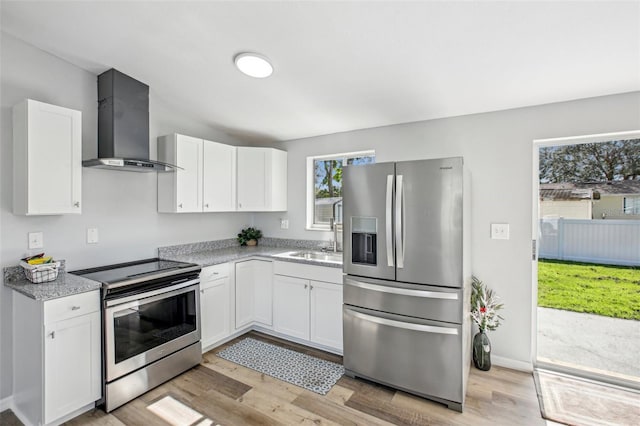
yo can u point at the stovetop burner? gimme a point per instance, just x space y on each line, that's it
147 269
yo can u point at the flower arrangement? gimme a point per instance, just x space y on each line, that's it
484 306
249 236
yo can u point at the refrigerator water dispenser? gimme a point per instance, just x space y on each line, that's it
363 240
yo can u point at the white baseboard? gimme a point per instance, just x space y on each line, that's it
6 403
512 364
212 345
296 340
18 413
269 331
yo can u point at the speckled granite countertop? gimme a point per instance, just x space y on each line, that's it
65 285
202 253
213 253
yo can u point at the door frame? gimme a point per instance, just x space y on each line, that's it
535 189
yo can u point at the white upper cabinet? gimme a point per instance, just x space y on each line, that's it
262 179
220 178
219 183
207 181
180 191
47 159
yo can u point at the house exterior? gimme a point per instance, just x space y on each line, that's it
324 209
566 202
591 200
618 200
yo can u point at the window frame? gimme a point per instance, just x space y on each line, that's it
634 208
310 208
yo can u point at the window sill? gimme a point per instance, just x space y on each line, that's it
325 228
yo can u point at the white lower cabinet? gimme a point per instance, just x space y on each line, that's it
305 308
254 293
214 304
57 356
263 292
326 314
291 306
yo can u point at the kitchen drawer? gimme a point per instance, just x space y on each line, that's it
310 272
214 272
71 306
421 301
420 356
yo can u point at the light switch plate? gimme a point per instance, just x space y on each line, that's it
92 235
499 231
284 223
36 240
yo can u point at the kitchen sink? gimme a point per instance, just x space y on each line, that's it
319 256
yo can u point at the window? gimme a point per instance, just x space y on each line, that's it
632 205
324 186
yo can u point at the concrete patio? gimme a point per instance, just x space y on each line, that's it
591 341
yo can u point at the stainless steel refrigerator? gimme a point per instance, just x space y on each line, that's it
406 289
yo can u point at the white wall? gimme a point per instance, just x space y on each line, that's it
497 149
122 205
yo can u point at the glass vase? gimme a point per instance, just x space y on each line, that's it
482 351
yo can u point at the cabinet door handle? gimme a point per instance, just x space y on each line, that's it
239 204
180 205
206 205
311 287
77 204
216 273
52 334
202 291
305 286
75 308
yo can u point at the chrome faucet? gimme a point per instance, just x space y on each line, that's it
335 226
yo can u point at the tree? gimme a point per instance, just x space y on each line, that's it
606 161
328 178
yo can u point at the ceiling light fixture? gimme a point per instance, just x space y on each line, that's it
253 64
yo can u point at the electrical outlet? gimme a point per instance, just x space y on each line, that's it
499 231
284 223
36 240
92 235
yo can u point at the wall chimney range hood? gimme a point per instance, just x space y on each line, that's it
123 125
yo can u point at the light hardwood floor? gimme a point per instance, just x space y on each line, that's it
228 394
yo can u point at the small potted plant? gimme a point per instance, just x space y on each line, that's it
484 307
249 236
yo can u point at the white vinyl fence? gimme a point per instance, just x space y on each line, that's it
615 242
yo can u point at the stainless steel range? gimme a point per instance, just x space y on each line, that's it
151 325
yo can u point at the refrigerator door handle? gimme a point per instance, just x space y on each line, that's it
403 291
389 220
401 324
399 222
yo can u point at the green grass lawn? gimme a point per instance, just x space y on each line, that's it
612 291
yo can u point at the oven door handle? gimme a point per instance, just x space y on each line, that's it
146 297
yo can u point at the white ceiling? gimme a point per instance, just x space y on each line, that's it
342 66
